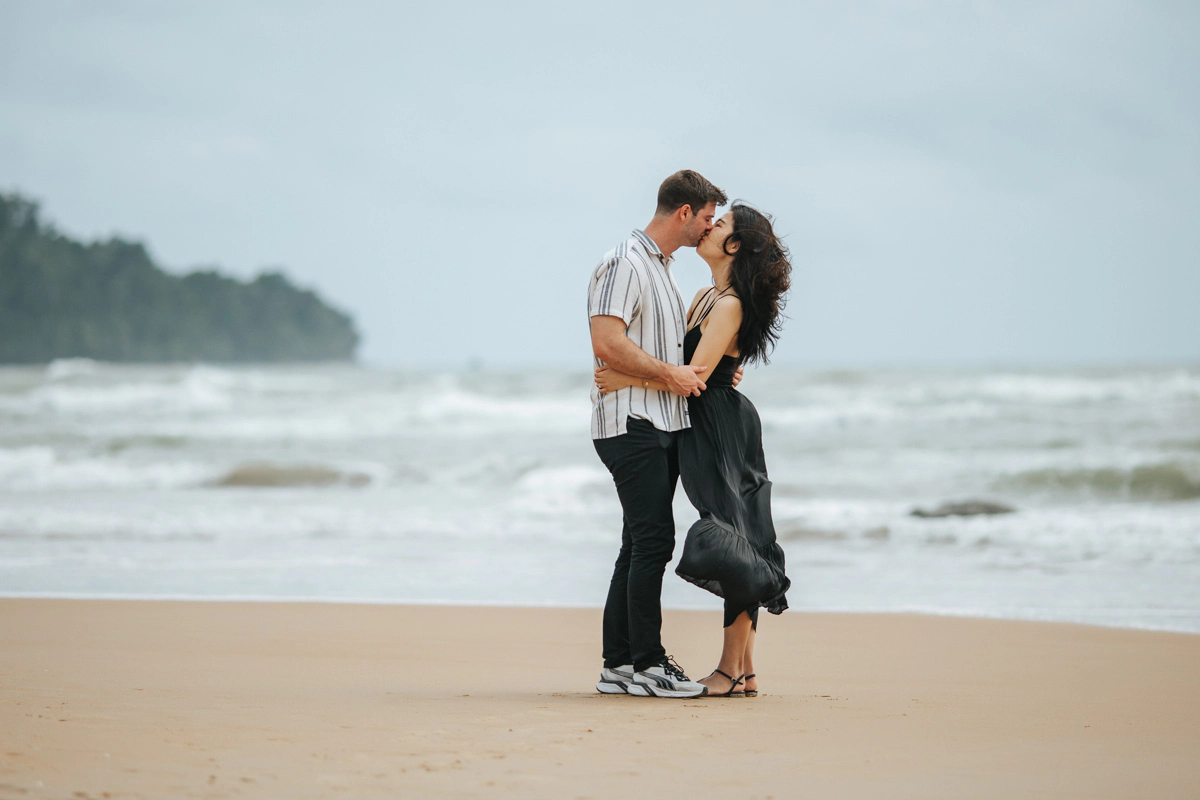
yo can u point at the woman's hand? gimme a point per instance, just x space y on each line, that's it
609 380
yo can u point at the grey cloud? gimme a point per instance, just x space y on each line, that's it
958 182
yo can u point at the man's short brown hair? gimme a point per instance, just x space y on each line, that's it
687 188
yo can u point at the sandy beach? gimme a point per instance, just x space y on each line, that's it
150 699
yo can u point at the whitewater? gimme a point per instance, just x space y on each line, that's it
347 483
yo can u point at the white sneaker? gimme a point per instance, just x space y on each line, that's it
616 680
665 680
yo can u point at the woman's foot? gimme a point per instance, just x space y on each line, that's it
751 684
720 683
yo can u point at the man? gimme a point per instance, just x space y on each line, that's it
638 321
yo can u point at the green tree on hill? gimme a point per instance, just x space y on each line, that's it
107 300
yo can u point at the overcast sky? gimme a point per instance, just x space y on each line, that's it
959 183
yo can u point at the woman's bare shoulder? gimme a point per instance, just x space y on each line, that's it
726 313
730 304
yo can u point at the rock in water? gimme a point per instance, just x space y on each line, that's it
964 508
273 476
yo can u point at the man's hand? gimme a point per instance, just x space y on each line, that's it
737 376
684 380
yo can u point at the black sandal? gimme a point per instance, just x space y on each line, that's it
733 684
751 692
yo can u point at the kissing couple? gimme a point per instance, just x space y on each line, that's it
666 407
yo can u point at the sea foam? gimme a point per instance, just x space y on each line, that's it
336 481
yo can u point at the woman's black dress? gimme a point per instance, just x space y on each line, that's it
731 551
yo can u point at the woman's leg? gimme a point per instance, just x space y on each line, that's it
732 655
748 661
748 658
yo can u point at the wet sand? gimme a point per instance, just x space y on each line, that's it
150 699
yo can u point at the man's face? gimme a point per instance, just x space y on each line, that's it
699 224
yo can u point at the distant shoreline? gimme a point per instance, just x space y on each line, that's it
108 300
574 368
564 606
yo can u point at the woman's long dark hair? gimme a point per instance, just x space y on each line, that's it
761 275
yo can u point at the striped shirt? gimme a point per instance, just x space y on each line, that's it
634 282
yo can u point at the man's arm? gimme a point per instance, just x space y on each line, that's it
612 346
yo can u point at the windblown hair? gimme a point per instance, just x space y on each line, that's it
687 188
761 275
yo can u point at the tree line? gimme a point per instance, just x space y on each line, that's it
107 300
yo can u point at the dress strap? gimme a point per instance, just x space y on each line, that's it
707 303
699 304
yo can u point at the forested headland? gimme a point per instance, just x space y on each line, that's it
107 300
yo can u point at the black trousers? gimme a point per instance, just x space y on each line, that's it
645 467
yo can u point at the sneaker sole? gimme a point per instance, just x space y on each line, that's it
611 687
646 690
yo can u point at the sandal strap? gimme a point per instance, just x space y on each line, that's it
733 682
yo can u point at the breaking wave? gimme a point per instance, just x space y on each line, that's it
1147 482
199 389
62 368
41 468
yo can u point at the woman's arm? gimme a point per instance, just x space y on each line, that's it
609 380
724 321
612 346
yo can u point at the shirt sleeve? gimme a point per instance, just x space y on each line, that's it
616 291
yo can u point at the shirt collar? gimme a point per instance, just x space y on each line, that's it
649 244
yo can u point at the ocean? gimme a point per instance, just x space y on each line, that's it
346 483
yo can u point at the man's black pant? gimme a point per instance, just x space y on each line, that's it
644 463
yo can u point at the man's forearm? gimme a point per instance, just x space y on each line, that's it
625 356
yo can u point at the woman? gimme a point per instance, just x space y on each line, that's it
731 550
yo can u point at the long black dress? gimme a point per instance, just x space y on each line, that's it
731 550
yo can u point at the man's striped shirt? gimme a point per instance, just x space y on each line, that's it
634 282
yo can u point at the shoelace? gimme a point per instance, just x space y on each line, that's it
673 669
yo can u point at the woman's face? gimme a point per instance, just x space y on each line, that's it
712 244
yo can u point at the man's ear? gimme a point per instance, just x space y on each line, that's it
684 213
